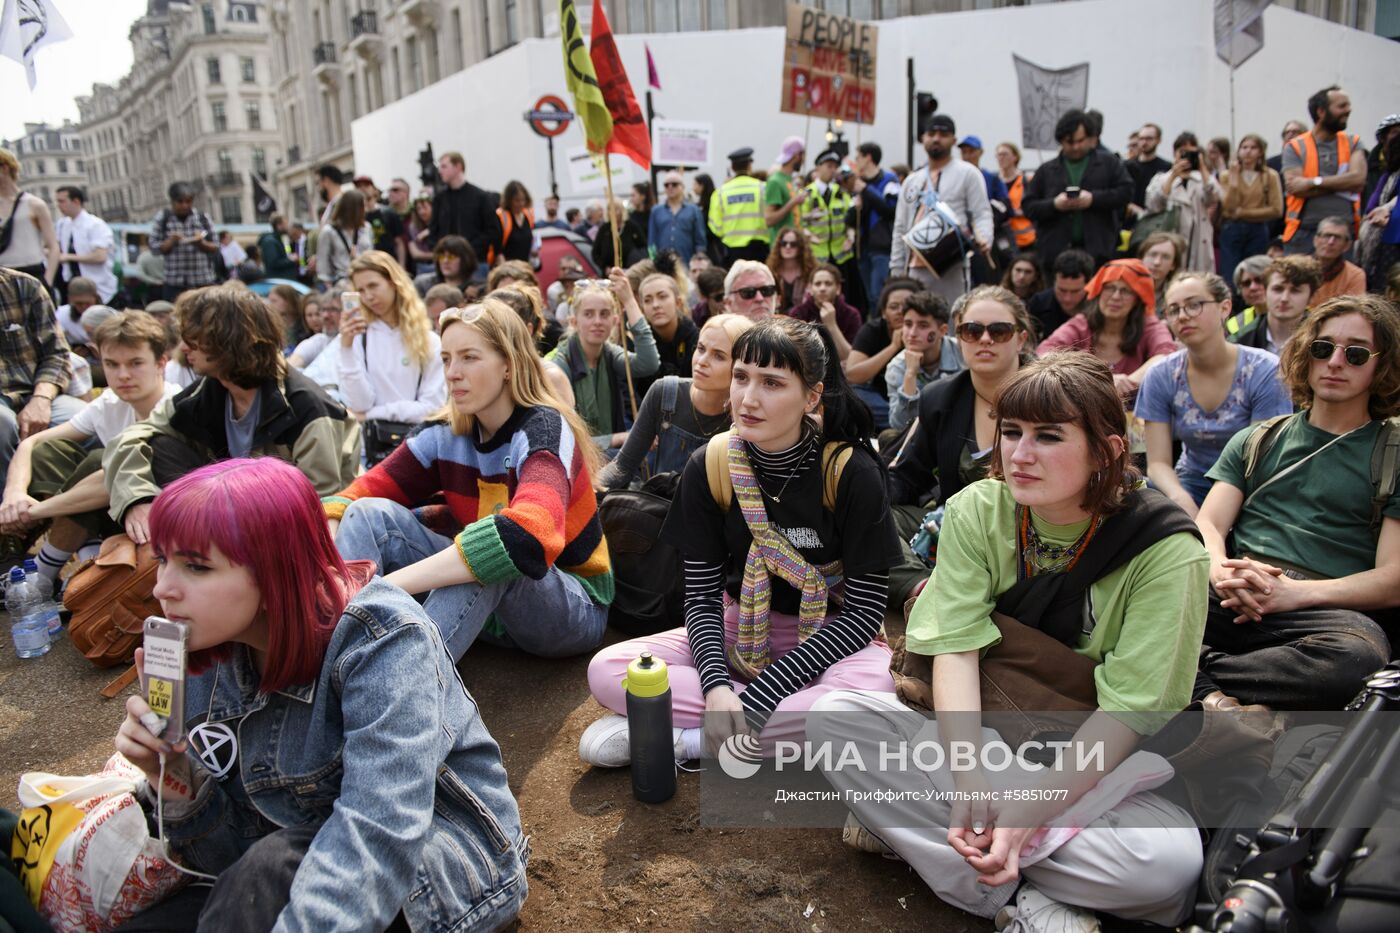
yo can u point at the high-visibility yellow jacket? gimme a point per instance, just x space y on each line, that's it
736 211
824 219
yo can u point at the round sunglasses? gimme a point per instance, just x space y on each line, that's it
1356 356
972 331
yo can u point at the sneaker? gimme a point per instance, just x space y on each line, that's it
855 835
606 743
1036 913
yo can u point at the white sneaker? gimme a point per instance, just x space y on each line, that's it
606 743
1036 913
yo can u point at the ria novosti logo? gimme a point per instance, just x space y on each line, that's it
740 756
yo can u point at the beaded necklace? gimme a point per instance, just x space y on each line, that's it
1037 557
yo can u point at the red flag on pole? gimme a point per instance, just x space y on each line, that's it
630 136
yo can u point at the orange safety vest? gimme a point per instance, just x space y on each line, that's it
1020 226
1307 151
507 225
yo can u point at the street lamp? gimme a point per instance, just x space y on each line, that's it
835 139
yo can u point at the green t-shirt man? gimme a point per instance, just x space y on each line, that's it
1317 517
1143 622
777 191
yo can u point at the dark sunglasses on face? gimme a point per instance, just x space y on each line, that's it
1356 356
1000 331
787 243
747 293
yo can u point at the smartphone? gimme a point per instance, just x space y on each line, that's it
350 304
1072 192
1193 158
163 674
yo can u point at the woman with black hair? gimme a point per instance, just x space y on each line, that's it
703 187
454 263
517 215
785 530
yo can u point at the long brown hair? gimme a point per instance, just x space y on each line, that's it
1296 361
507 334
1072 387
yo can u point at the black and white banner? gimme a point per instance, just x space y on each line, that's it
1046 93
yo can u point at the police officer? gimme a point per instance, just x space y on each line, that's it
736 211
824 212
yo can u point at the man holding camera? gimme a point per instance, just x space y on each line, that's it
185 237
1076 200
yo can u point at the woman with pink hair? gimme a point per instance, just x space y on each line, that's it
335 773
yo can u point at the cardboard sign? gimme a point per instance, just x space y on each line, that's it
829 66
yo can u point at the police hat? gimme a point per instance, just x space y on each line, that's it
740 156
829 155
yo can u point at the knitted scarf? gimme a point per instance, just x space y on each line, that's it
769 553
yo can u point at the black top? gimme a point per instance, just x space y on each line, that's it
873 337
467 212
930 466
860 532
1111 186
387 227
520 241
1143 173
1046 312
675 354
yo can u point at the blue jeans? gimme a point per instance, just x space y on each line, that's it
874 271
879 405
553 617
1238 241
60 410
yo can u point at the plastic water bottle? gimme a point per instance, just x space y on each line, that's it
29 630
648 689
44 605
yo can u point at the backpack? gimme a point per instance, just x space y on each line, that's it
110 597
835 456
648 585
1385 459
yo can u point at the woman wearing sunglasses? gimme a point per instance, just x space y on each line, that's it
516 552
1202 395
1120 326
951 445
792 263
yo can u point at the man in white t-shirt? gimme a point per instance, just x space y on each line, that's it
54 477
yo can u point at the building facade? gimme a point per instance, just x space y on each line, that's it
49 158
197 106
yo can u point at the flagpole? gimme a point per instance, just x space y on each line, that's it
617 260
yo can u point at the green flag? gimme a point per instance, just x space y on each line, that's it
592 110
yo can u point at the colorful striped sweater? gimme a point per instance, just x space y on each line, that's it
518 504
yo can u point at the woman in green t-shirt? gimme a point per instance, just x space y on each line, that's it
1061 489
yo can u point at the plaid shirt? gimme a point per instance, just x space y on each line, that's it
186 264
32 346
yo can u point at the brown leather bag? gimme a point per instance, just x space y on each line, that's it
110 597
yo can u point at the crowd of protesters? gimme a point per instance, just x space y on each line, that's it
820 363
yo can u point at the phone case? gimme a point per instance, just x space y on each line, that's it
163 674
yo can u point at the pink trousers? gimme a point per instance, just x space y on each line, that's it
867 669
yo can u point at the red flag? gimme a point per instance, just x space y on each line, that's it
630 136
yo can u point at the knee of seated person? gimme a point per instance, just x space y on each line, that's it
365 509
274 856
1365 650
1175 858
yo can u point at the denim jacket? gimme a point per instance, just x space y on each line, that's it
394 765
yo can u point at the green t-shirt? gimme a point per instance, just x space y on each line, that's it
1076 218
1143 622
1317 517
777 191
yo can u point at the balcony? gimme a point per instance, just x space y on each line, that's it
323 59
225 180
364 35
421 13
293 155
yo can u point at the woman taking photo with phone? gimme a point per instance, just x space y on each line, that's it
390 368
680 414
516 553
1062 491
281 792
1191 188
763 631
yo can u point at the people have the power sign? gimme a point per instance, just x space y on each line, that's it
829 66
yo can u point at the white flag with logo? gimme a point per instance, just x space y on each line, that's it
1239 29
1046 93
27 26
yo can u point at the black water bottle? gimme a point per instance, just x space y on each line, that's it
649 729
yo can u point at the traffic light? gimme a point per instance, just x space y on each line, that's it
925 106
427 168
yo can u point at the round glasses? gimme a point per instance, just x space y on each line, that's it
1187 309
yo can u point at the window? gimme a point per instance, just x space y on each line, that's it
415 80
39 166
220 117
207 12
430 47
719 14
302 199
354 96
664 16
225 162
689 16
637 15
215 75
458 54
231 210
63 166
260 161
78 165
374 87
398 81
512 22
247 69
252 115
486 51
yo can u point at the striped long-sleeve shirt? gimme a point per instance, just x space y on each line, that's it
517 504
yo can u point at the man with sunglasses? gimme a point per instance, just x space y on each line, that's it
749 290
675 223
1303 527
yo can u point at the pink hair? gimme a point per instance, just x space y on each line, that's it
264 515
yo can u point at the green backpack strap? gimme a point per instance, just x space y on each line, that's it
1385 462
1260 439
835 456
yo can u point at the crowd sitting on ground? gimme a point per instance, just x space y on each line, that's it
1036 358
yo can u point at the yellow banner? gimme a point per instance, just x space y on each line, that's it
592 110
